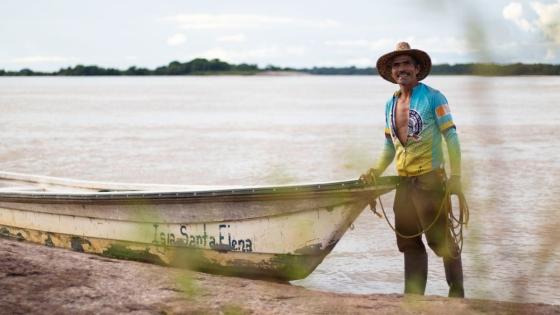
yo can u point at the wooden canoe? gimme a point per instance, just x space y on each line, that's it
280 232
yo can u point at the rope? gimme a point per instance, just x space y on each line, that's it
453 224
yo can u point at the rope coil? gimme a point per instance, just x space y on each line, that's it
453 224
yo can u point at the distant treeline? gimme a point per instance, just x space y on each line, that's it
484 69
492 69
201 66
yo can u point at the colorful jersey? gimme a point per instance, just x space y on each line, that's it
429 119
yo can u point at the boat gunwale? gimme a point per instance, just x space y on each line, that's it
340 188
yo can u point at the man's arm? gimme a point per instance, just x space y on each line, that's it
454 150
447 127
387 153
385 157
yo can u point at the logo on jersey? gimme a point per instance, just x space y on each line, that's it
414 125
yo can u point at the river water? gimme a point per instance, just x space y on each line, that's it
258 130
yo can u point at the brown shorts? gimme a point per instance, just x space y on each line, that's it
417 202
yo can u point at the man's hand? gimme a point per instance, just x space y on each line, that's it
369 177
454 185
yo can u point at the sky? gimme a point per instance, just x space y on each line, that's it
49 35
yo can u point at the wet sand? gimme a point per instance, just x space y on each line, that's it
38 279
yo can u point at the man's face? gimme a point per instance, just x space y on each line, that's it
404 70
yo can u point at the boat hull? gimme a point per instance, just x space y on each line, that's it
275 233
285 247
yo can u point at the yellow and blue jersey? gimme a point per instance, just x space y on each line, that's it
429 121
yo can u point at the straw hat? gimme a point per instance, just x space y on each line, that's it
403 48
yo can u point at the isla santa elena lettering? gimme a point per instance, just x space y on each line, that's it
224 240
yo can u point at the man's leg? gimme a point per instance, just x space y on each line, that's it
454 276
439 238
415 257
415 271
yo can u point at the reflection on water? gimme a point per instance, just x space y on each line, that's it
268 130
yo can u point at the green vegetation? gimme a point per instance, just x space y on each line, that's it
197 66
201 66
340 71
492 69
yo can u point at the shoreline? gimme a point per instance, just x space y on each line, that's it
38 279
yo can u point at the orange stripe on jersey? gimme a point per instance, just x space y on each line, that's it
442 110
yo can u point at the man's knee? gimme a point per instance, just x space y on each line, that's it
438 248
443 248
440 240
410 244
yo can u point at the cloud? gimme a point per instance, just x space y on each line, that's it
248 55
236 38
363 43
546 23
548 20
176 39
41 59
514 12
444 45
242 21
348 43
433 44
550 54
294 50
361 62
239 55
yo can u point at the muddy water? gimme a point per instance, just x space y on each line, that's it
276 130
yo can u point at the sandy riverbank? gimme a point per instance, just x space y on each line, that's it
37 279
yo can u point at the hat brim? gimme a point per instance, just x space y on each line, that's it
384 63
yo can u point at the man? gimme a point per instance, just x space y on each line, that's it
417 118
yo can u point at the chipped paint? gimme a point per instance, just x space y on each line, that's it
48 241
252 265
4 232
122 251
309 249
20 237
77 242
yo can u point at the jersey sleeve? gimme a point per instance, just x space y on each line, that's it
387 117
387 154
444 120
454 150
